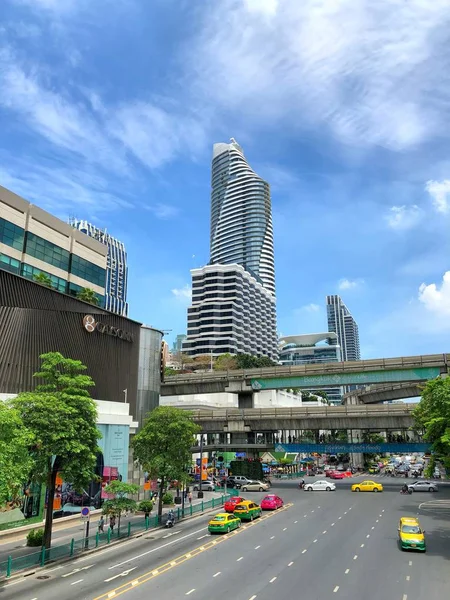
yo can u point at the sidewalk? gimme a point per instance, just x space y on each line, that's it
16 547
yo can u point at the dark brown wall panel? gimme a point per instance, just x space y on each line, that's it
35 319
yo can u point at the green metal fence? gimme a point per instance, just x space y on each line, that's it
78 545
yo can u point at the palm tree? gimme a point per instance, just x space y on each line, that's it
88 295
43 279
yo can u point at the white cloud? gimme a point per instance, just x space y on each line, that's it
163 211
267 8
349 284
346 63
439 192
403 217
311 308
437 299
183 294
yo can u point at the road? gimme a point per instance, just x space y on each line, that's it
336 545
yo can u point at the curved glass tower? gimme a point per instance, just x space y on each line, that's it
241 215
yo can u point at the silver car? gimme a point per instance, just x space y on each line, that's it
207 486
423 486
255 486
319 486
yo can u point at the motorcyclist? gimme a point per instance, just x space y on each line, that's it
301 485
404 489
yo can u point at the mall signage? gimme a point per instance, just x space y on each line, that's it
91 325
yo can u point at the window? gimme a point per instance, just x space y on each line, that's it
46 251
57 283
88 271
9 264
73 290
11 234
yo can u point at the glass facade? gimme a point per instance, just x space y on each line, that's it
87 270
29 272
47 251
11 234
9 264
73 290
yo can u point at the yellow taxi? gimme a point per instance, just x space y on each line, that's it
410 534
247 510
223 523
367 486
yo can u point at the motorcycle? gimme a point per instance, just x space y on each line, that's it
408 491
301 485
170 521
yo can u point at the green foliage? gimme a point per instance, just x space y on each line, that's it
146 506
163 445
35 537
121 503
225 362
61 417
15 460
170 371
246 361
252 470
43 279
167 498
285 461
432 414
88 295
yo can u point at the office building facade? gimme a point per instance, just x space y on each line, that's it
341 322
231 312
312 348
33 242
241 215
178 343
116 266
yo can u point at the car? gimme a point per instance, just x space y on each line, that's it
423 486
337 475
207 486
410 534
321 485
230 504
329 472
223 523
367 486
69 509
255 486
240 480
271 502
374 469
247 510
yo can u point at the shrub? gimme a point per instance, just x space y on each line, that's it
146 506
167 498
35 537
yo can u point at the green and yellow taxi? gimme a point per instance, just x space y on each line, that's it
411 535
224 523
247 510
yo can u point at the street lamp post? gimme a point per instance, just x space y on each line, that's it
200 493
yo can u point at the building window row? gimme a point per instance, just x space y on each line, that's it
11 234
47 251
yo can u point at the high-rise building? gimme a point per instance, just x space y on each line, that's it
231 312
178 343
341 322
233 298
241 215
35 244
116 271
311 348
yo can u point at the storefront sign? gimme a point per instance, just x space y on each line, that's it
91 325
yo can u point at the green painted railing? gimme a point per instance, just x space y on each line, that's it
76 546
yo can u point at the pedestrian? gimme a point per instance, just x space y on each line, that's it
185 494
101 525
112 522
190 497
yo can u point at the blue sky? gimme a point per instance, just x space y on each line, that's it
109 109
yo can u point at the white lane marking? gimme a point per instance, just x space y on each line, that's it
408 578
253 597
336 589
305 515
339 517
405 597
284 529
295 521
345 512
303 551
190 592
377 521
124 574
373 527
368 535
323 532
155 549
347 571
355 557
362 545
318 507
202 536
382 510
217 574
350 508
256 547
78 581
76 570
410 563
333 524
240 558
272 537
291 563
272 580
312 511
314 541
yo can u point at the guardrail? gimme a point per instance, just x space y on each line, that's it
77 546
378 364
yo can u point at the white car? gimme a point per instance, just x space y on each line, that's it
255 486
207 486
319 486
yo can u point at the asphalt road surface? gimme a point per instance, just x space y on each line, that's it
322 545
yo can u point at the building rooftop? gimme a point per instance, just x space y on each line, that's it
308 339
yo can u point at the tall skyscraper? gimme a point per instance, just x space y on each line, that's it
233 298
241 215
344 325
116 266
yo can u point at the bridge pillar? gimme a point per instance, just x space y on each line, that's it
245 399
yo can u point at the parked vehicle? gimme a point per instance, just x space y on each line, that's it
207 486
271 502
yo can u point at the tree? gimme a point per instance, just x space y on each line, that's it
182 359
432 415
43 279
15 460
225 362
61 417
247 361
169 371
203 361
120 503
88 295
163 445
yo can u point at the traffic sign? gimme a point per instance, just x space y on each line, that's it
85 513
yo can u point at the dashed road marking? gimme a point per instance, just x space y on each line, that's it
373 527
303 551
339 518
291 563
377 521
336 589
190 592
257 547
368 535
273 537
405 597
347 571
323 532
355 557
314 541
272 580
78 581
408 578
240 558
333 524
217 574
362 545
410 563
253 597
295 521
